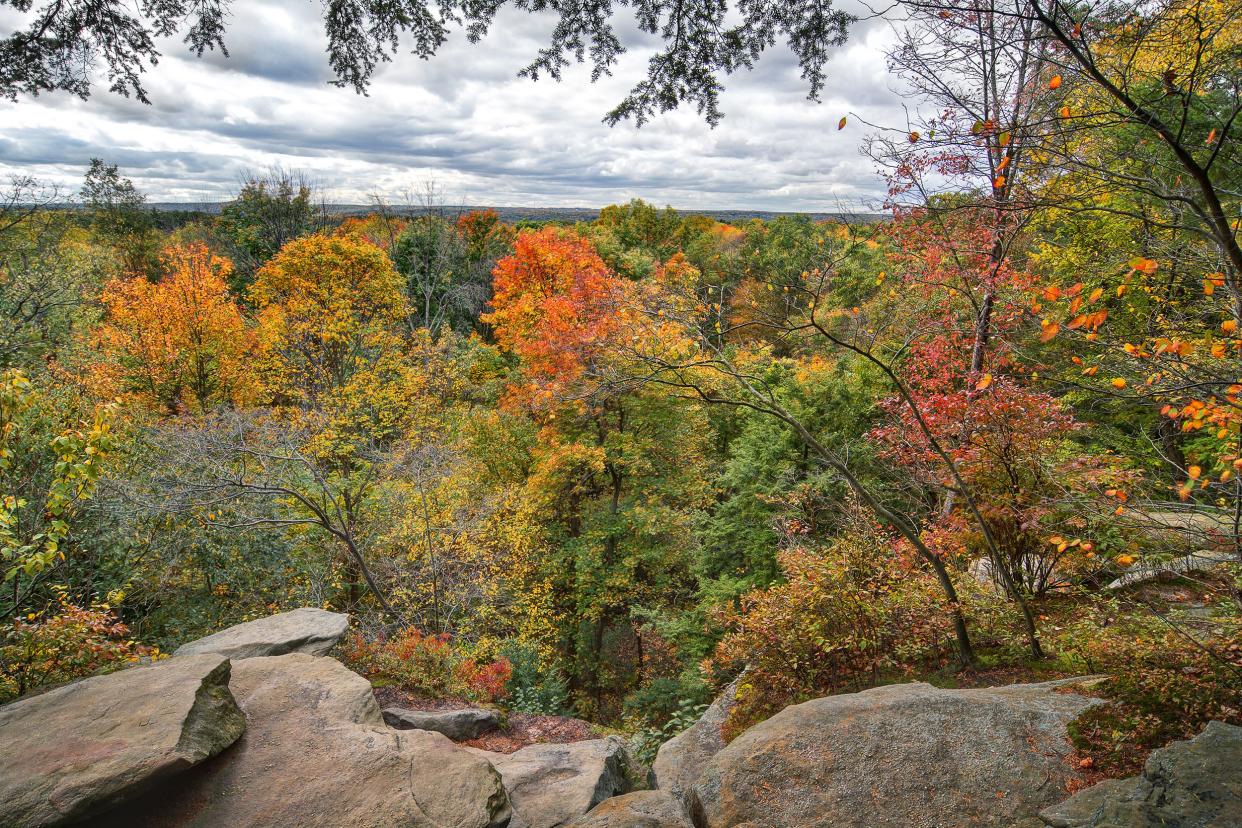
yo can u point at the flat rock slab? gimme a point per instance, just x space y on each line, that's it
641 809
681 759
458 725
901 756
551 785
317 753
305 630
1191 784
75 751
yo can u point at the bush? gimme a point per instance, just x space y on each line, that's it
532 688
72 643
426 664
846 615
645 743
1163 688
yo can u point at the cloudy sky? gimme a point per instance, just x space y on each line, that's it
463 121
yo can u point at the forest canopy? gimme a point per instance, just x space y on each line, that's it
603 468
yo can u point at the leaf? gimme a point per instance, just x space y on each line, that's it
913 137
1049 331
1118 383
1055 83
1065 112
998 182
1211 139
1229 326
1142 265
983 383
841 123
1194 472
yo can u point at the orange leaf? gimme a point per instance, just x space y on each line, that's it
1211 139
1229 325
1119 383
1049 331
1065 112
1055 83
1194 472
983 383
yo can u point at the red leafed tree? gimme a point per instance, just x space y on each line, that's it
556 306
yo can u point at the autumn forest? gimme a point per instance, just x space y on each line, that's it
599 469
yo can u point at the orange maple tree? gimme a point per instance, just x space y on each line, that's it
179 343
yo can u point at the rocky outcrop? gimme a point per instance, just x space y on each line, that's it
72 752
902 756
1192 784
458 725
551 785
305 630
641 809
681 759
316 753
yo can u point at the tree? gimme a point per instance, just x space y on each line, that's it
49 465
180 342
701 41
327 307
45 272
119 217
271 209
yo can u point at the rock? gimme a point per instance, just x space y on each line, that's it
680 760
305 630
906 755
1191 784
72 752
641 809
552 784
316 753
1151 570
458 725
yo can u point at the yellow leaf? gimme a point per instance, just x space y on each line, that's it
983 383
1096 294
1119 383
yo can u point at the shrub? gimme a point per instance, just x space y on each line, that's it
533 688
845 615
1163 688
72 643
425 664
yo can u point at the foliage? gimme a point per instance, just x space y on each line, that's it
426 664
1162 688
179 343
62 644
45 479
845 615
532 688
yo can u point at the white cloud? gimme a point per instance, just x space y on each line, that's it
465 121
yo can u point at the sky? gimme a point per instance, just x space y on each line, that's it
463 123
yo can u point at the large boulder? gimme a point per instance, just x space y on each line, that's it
641 809
550 785
1192 784
680 760
458 725
902 756
72 752
305 630
316 753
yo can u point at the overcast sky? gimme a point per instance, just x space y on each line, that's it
464 121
